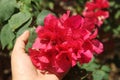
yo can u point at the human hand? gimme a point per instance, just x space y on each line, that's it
22 67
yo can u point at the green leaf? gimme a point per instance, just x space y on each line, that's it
107 28
91 66
26 5
51 5
6 36
105 68
106 76
116 31
24 27
112 3
6 9
19 19
31 38
26 1
117 15
98 75
41 16
10 46
25 8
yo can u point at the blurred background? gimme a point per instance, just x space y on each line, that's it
18 15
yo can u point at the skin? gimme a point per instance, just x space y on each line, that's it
22 67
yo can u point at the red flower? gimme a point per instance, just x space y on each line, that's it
96 17
94 10
96 4
101 3
62 42
85 57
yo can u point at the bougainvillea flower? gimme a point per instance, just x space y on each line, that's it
85 57
101 16
101 3
95 11
96 4
62 42
97 17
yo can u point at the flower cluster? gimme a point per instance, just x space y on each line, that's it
64 41
96 12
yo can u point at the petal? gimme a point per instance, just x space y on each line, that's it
97 46
85 34
38 45
86 57
90 6
43 59
65 16
62 63
50 22
94 35
74 22
38 29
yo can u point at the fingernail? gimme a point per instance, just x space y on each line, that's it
27 31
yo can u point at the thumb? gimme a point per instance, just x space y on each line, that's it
21 42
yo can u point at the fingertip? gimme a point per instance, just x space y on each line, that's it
24 36
26 33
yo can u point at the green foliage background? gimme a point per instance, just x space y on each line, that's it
16 16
